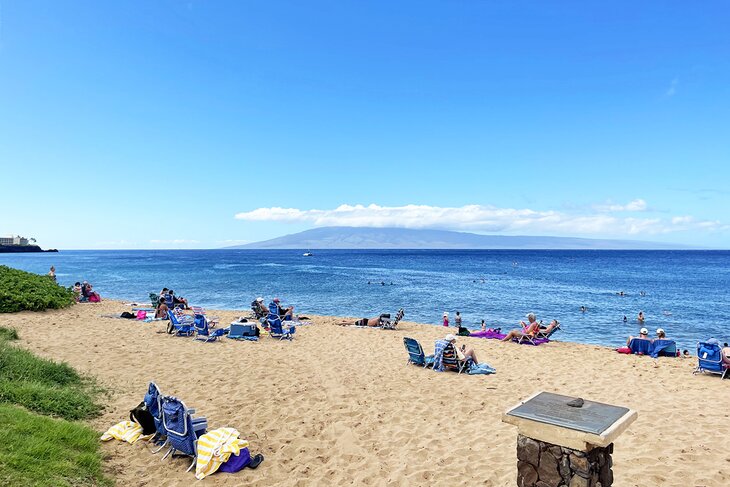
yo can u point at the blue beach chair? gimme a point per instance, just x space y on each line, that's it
276 328
184 326
663 348
182 431
415 353
640 346
710 359
203 331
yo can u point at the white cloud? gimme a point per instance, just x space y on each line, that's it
483 219
672 90
634 205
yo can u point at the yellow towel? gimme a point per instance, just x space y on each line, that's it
128 431
215 448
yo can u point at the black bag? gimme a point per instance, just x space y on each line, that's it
464 332
128 315
142 416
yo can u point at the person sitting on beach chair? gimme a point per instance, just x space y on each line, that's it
643 335
285 314
447 355
528 329
259 309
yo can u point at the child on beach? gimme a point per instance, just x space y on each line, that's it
446 319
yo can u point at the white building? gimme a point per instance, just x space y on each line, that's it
16 240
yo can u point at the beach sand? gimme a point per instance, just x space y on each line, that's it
339 406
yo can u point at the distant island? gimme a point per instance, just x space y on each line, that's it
14 244
404 238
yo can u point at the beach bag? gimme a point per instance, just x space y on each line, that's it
141 314
236 462
625 350
94 298
464 332
127 315
142 416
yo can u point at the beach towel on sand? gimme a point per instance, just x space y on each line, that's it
214 448
128 431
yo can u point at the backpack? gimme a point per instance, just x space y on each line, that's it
464 332
142 416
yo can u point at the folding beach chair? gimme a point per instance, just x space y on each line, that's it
663 348
415 353
182 431
154 299
451 360
276 329
199 311
710 359
385 322
153 401
640 346
203 331
183 325
541 333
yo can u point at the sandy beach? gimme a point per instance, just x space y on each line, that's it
339 406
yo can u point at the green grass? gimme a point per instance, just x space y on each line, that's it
37 450
20 291
41 451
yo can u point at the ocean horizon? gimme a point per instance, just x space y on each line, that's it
682 291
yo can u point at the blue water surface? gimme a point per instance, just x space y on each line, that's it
686 292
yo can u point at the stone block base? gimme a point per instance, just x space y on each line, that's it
541 464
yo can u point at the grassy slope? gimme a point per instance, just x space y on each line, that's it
38 450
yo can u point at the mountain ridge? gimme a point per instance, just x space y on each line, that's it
405 238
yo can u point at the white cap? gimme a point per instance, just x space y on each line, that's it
450 337
260 300
659 331
643 331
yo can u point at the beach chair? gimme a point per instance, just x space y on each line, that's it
386 324
415 353
640 346
276 329
212 320
547 334
451 359
182 431
663 348
184 325
203 331
153 400
710 359
527 337
154 299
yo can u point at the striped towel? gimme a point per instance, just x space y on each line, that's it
214 449
128 431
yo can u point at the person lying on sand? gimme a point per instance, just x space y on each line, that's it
365 321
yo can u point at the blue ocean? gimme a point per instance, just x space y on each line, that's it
684 292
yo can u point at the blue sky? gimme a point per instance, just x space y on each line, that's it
177 124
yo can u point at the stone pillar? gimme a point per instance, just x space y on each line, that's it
542 464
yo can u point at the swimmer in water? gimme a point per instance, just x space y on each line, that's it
640 318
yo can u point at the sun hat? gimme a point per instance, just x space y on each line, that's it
643 331
450 337
659 331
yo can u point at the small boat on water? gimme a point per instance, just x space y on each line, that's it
308 254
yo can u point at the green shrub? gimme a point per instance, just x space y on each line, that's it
8 334
20 291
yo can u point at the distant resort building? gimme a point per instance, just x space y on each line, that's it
15 240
